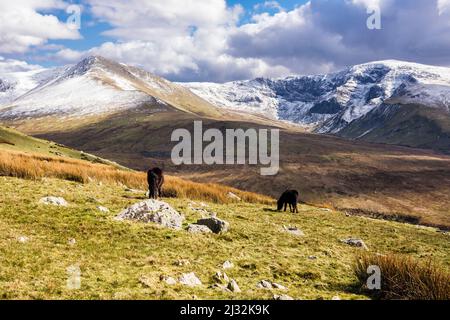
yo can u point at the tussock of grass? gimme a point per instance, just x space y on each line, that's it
36 166
406 278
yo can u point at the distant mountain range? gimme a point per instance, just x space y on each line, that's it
387 102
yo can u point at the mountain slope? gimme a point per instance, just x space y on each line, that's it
329 103
97 86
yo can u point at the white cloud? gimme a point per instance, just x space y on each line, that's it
22 25
13 65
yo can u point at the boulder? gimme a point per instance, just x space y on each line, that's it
153 211
215 224
190 280
355 243
196 228
54 201
233 286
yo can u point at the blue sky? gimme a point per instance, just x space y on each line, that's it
213 40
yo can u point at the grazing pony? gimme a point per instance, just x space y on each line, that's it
289 197
155 179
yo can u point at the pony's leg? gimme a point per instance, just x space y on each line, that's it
285 207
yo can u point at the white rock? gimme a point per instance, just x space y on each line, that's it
103 209
278 286
336 298
54 201
153 211
72 241
227 265
190 280
264 284
232 196
23 239
169 280
355 243
221 277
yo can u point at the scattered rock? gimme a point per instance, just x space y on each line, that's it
233 286
355 243
283 297
190 280
264 284
221 277
278 286
294 231
54 201
215 224
168 280
232 196
23 239
72 242
227 265
182 263
312 258
196 228
103 209
336 298
153 211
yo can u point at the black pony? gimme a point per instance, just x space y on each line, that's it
155 179
289 197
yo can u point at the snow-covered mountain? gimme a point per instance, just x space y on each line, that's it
331 101
94 86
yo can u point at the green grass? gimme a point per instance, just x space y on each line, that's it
113 255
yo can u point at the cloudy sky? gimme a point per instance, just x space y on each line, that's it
218 40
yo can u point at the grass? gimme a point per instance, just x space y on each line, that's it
403 277
114 256
37 166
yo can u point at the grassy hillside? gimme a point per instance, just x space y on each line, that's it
359 178
121 260
407 125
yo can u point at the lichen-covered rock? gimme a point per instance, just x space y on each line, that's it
154 211
54 201
196 228
215 224
190 280
227 265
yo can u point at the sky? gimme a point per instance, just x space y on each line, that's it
219 40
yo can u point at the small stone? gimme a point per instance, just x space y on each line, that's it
233 286
54 201
264 284
103 209
168 280
312 258
355 243
283 297
23 239
336 298
72 242
227 265
190 280
278 286
294 231
233 196
182 263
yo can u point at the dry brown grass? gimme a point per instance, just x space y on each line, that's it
35 166
405 278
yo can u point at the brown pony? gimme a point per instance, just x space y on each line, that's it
155 179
